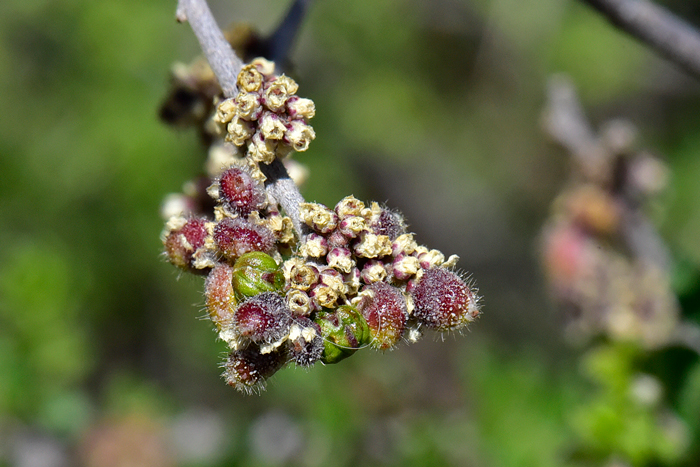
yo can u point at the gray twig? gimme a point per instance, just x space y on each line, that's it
221 57
657 27
226 66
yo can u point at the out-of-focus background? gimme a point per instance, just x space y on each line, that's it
433 107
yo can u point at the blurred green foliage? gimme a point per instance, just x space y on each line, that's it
432 107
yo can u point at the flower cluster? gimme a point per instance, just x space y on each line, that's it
266 117
345 278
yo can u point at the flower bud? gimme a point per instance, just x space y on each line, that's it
299 107
261 149
299 302
249 78
352 226
238 131
305 342
323 296
186 236
341 259
235 237
254 273
240 192
303 276
443 301
349 206
263 318
373 246
248 105
404 267
271 126
373 271
385 310
226 110
278 91
352 281
247 369
299 135
318 217
431 259
403 244
337 240
220 299
316 246
344 331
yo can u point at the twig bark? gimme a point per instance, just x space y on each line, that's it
226 66
670 36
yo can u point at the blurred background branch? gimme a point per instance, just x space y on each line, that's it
660 29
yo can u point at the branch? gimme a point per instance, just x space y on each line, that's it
221 57
670 36
226 66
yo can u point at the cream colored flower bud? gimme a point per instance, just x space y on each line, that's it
340 259
373 271
373 246
299 302
248 105
300 135
315 246
352 281
278 91
226 110
271 126
264 66
303 276
239 131
349 206
318 217
261 150
324 296
333 279
352 226
431 259
301 107
250 79
404 244
405 267
282 227
289 265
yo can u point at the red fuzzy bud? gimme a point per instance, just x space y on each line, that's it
182 243
264 318
386 314
443 301
220 299
305 342
235 237
240 192
247 369
389 223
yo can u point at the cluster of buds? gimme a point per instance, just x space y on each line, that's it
266 117
605 264
343 279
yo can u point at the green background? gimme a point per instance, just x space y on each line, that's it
432 107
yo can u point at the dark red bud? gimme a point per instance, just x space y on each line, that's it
443 301
264 318
386 314
240 192
235 237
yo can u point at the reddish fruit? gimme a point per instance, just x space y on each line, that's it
443 301
181 244
235 237
386 314
247 369
240 192
220 299
264 318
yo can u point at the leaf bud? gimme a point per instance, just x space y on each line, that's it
254 273
344 331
